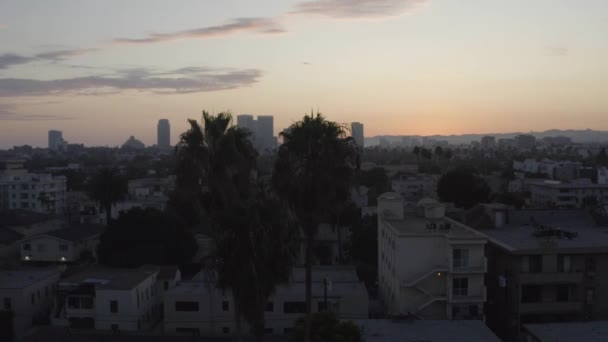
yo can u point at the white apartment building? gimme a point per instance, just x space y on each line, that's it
64 245
198 307
413 186
109 299
27 294
41 193
430 266
566 195
151 187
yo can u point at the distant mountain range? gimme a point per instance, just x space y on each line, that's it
577 136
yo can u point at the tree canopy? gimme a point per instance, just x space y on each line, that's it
326 327
146 236
463 187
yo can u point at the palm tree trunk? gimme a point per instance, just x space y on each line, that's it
108 208
259 325
309 251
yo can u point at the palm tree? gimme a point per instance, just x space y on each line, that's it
217 175
107 187
314 166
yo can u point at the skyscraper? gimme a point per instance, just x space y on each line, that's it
246 121
357 133
163 136
56 141
265 133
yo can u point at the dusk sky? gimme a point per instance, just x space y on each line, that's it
101 71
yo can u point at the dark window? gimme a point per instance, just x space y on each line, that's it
27 247
563 293
564 263
287 331
460 257
186 306
294 307
460 286
268 331
532 264
455 311
73 303
473 310
322 306
63 247
589 296
46 291
8 304
86 302
225 305
269 307
226 330
166 286
113 306
530 293
590 264
114 327
33 299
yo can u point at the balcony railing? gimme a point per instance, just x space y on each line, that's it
473 295
476 266
550 307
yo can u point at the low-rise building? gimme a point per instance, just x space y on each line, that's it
558 194
543 266
198 307
27 295
151 187
429 265
109 299
414 187
382 330
64 245
567 332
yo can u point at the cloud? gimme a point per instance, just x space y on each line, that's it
558 51
10 59
133 79
8 113
357 9
239 25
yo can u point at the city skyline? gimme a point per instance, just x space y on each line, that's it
432 66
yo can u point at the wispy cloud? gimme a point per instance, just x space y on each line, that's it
9 59
9 112
357 9
557 51
239 25
174 82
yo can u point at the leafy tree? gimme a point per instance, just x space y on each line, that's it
314 168
463 187
146 236
363 248
216 180
107 187
325 327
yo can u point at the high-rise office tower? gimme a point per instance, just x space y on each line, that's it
246 121
56 141
265 133
357 133
163 137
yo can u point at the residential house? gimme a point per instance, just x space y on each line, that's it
64 245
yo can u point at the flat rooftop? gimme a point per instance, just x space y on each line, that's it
382 330
569 332
109 278
22 278
415 225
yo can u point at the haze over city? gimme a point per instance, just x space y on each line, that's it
103 71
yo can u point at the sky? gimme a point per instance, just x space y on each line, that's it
101 71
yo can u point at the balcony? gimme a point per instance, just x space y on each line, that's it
474 266
550 307
551 278
473 296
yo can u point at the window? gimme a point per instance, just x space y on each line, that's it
226 330
186 306
63 247
73 303
46 291
294 307
532 264
41 247
473 310
8 304
269 307
589 296
86 302
287 331
460 286
590 264
565 293
564 263
113 306
460 257
225 305
114 327
530 293
322 306
268 331
27 247
166 285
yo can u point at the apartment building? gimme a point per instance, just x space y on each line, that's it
543 266
414 186
109 299
198 307
41 193
151 187
64 245
558 194
27 295
430 266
